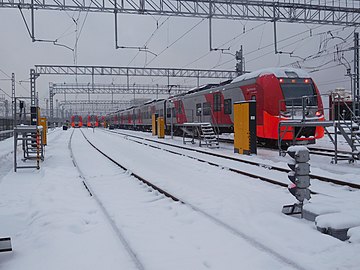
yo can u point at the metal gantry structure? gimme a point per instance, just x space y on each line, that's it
98 107
341 12
128 72
104 106
86 88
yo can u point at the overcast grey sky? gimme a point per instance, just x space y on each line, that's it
96 46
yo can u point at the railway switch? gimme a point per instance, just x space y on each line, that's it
299 176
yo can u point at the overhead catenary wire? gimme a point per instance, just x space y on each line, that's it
7 75
149 39
174 42
336 30
271 52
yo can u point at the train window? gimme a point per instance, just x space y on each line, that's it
161 112
206 108
168 112
217 102
198 109
227 106
294 92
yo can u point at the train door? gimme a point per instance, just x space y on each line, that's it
217 108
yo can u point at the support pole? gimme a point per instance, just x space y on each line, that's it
13 96
116 25
32 22
32 87
51 97
275 38
356 93
210 28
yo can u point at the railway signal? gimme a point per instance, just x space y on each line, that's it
299 176
300 170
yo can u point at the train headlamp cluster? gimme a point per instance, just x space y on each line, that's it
282 80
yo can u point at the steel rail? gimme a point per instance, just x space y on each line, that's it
313 176
111 222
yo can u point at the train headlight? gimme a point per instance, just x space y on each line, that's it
285 113
318 113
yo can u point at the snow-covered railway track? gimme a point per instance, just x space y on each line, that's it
155 144
119 234
286 262
345 155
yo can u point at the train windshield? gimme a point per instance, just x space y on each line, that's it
294 92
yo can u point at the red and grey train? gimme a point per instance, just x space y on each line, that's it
76 121
92 121
279 95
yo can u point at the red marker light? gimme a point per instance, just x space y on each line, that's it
318 113
281 80
293 81
306 81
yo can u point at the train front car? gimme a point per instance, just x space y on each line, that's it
76 121
92 121
285 94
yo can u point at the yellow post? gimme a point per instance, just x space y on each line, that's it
161 127
43 123
153 124
245 127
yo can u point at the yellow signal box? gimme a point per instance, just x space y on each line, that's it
245 127
161 127
43 123
154 123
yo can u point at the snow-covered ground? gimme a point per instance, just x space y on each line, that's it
55 224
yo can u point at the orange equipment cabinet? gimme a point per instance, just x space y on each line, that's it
245 127
43 123
161 127
154 118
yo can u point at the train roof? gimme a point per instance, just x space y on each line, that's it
203 87
280 72
151 101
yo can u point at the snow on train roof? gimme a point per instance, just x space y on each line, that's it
280 72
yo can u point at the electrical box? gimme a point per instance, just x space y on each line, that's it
245 127
161 127
154 123
43 123
34 115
